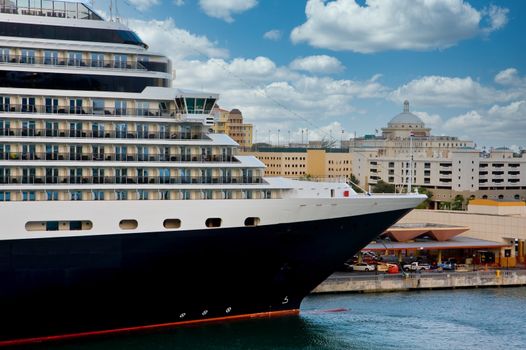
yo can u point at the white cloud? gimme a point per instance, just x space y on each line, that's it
510 77
143 5
178 2
273 34
275 96
432 121
317 64
163 36
382 25
506 123
498 17
224 9
450 92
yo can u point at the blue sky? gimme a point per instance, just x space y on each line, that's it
336 65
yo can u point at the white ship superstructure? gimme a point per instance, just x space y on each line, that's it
119 209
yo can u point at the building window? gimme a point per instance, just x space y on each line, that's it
28 56
51 57
120 61
98 106
121 195
76 195
120 107
75 59
98 195
5 196
97 59
142 195
52 195
28 196
4 54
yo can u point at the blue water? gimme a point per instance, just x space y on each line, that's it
448 319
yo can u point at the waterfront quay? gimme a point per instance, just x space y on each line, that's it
376 283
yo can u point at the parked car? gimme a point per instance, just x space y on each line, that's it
447 265
360 267
417 266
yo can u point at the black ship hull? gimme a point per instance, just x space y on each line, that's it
77 285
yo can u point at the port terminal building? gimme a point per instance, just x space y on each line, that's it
489 232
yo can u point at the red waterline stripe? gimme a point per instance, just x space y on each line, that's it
26 341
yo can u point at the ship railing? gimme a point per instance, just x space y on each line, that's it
139 180
119 157
99 134
337 179
80 110
72 62
48 8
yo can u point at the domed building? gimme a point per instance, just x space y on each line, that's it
403 124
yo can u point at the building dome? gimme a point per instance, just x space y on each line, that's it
406 119
235 111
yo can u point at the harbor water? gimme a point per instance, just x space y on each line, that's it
444 319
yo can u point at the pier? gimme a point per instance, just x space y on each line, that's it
372 283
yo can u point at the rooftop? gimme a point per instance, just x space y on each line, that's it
406 117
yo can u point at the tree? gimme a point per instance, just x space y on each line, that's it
354 182
458 202
425 204
383 187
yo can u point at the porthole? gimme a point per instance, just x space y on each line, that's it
172 223
213 222
252 221
128 224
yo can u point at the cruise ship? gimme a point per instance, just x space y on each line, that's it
121 211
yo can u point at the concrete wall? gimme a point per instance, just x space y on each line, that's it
386 283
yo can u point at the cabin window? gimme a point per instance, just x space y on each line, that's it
172 223
128 224
74 225
213 222
252 221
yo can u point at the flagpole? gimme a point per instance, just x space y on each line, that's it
411 163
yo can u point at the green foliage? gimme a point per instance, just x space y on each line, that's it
425 204
458 202
354 182
383 187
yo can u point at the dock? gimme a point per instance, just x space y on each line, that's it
377 283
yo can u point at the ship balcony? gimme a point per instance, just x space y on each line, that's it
48 8
72 63
89 133
105 111
140 180
116 157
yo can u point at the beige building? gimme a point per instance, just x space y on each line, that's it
300 162
490 220
231 123
446 165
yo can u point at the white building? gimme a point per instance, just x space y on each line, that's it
445 165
